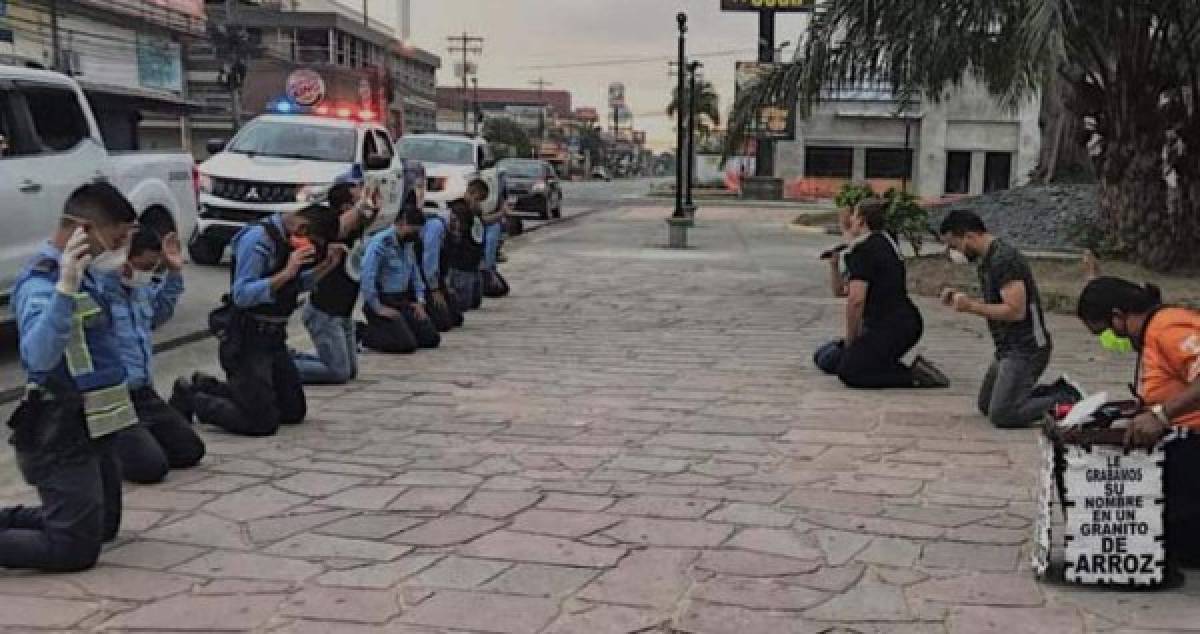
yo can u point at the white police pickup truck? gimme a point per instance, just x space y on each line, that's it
50 145
451 161
282 162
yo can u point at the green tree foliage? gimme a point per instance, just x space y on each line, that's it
708 107
502 131
1127 73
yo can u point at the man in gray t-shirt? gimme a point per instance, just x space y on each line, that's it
1010 396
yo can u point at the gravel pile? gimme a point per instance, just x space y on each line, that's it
1035 216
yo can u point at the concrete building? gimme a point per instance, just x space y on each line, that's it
128 55
964 144
364 66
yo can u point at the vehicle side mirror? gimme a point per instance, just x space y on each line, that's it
378 162
216 146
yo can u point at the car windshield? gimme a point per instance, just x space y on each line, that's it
436 151
312 142
521 169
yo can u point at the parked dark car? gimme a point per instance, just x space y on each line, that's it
535 185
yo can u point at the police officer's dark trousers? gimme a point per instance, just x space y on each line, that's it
446 317
162 440
78 482
468 288
263 388
399 336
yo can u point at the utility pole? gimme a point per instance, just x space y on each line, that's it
475 98
55 46
366 19
541 84
236 70
465 44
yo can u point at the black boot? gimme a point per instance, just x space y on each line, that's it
181 398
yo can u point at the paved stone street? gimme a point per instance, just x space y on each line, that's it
635 442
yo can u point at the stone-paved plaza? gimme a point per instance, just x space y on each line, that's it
636 441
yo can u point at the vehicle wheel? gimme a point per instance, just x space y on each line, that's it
516 226
206 251
557 211
544 207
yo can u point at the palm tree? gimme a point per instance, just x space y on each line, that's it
708 107
1123 75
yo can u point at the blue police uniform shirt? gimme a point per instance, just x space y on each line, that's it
255 260
389 267
137 312
433 234
45 320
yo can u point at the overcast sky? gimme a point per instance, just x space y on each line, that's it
527 39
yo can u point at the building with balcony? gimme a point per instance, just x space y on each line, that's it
358 63
963 144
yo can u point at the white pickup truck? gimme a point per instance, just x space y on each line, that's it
451 161
282 162
49 146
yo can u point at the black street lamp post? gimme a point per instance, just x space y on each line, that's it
688 205
680 139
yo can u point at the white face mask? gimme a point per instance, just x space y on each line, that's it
958 257
139 279
110 261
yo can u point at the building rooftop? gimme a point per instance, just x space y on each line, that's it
559 101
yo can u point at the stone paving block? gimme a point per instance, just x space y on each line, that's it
149 554
365 498
240 587
500 613
447 530
960 556
156 499
752 514
839 546
757 594
430 477
340 604
369 526
664 506
702 618
540 580
312 545
219 484
523 547
870 600
1017 589
673 533
561 523
130 584
499 504
606 619
25 612
1000 620
651 578
649 464
239 565
380 576
777 541
890 551
313 484
200 613
270 529
202 529
254 503
710 442
429 499
36 584
751 564
461 573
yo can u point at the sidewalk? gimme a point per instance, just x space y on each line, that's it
635 442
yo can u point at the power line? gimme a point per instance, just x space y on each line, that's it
636 60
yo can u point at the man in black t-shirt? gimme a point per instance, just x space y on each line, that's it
1012 307
328 315
882 323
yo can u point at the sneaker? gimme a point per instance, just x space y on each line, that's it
927 375
181 398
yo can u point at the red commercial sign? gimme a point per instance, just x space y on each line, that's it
767 5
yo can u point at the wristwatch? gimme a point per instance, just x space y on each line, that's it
1160 412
